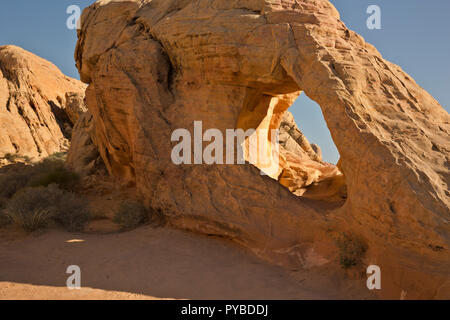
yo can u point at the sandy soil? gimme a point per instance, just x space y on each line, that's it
146 264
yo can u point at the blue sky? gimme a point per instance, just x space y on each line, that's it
40 27
415 34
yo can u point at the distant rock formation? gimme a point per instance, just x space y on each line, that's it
293 140
155 66
33 102
304 172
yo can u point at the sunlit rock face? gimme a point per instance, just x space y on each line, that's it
33 104
156 66
303 171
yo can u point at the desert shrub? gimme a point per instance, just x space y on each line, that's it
33 208
11 157
351 250
17 157
58 156
72 212
52 171
12 182
130 215
3 202
4 219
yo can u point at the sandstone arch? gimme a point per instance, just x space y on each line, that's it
154 66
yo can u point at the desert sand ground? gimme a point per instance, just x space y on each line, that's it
148 263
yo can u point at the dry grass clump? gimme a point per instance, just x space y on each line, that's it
33 208
4 219
36 195
16 157
38 207
12 182
49 171
72 213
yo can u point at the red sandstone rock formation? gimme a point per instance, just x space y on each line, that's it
155 66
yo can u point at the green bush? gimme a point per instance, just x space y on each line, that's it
351 250
11 182
58 156
4 219
130 215
52 171
33 196
72 212
36 208
16 157
33 208
11 157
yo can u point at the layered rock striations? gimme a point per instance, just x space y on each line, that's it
156 66
33 102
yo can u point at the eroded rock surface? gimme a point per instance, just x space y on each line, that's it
83 157
293 140
304 172
75 105
155 66
33 120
